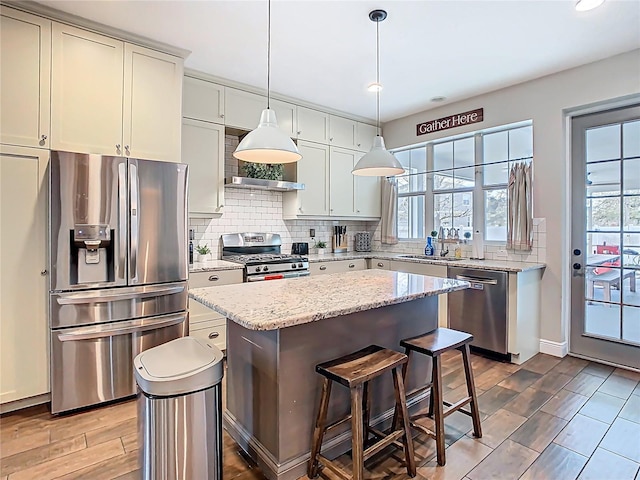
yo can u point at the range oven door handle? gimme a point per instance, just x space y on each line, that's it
98 297
120 328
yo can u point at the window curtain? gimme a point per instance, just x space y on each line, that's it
389 211
520 204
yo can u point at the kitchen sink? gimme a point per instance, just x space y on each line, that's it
431 257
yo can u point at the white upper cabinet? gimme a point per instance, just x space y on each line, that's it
368 195
113 98
202 100
86 91
243 109
313 171
152 104
313 125
365 134
342 200
342 132
287 117
25 66
203 151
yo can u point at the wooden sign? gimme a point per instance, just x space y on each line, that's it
452 121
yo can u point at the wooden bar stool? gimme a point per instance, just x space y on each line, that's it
435 344
354 371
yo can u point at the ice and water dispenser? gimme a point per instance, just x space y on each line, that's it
92 254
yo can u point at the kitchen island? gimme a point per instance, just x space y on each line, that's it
277 331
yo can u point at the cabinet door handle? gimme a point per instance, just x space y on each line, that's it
117 146
358 144
299 132
331 139
222 115
44 272
323 267
351 265
214 278
43 138
126 148
380 264
214 335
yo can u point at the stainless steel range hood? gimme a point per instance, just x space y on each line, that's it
262 184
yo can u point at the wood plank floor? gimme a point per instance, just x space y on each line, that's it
546 419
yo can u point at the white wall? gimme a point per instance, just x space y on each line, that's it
545 101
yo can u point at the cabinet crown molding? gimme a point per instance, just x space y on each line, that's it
32 7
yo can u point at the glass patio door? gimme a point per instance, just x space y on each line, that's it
605 299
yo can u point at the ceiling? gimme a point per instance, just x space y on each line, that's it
323 52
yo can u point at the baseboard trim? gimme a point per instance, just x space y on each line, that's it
557 349
25 403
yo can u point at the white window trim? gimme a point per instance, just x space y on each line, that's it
478 189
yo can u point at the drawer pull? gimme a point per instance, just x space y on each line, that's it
214 335
351 265
214 278
323 267
380 264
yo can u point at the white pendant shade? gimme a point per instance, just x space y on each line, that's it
584 5
378 162
267 143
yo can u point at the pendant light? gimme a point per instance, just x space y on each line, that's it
267 143
378 162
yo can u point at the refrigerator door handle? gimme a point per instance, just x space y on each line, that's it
120 328
123 215
135 222
111 296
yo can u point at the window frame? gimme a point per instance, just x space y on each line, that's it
478 190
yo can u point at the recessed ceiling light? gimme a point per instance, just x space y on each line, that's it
584 5
438 99
375 87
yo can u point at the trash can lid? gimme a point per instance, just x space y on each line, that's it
178 367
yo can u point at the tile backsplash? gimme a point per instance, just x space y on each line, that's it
261 211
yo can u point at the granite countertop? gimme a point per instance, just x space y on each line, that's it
497 265
285 303
214 265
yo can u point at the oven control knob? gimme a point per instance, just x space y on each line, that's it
300 265
293 265
257 269
265 268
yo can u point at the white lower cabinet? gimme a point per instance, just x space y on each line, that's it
24 327
204 322
337 266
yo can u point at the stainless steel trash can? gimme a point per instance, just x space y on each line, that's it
180 410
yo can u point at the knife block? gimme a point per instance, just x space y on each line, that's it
339 247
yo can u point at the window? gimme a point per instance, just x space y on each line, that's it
455 183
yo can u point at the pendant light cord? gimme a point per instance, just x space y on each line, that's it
269 58
377 75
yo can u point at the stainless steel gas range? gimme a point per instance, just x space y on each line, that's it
261 257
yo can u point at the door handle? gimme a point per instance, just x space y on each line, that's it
135 220
122 219
214 278
487 281
119 328
323 267
111 296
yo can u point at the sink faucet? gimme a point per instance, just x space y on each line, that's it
443 252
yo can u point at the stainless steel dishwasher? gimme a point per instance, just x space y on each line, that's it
482 309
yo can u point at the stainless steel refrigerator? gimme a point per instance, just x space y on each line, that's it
119 269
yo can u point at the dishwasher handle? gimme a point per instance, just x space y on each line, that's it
486 281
